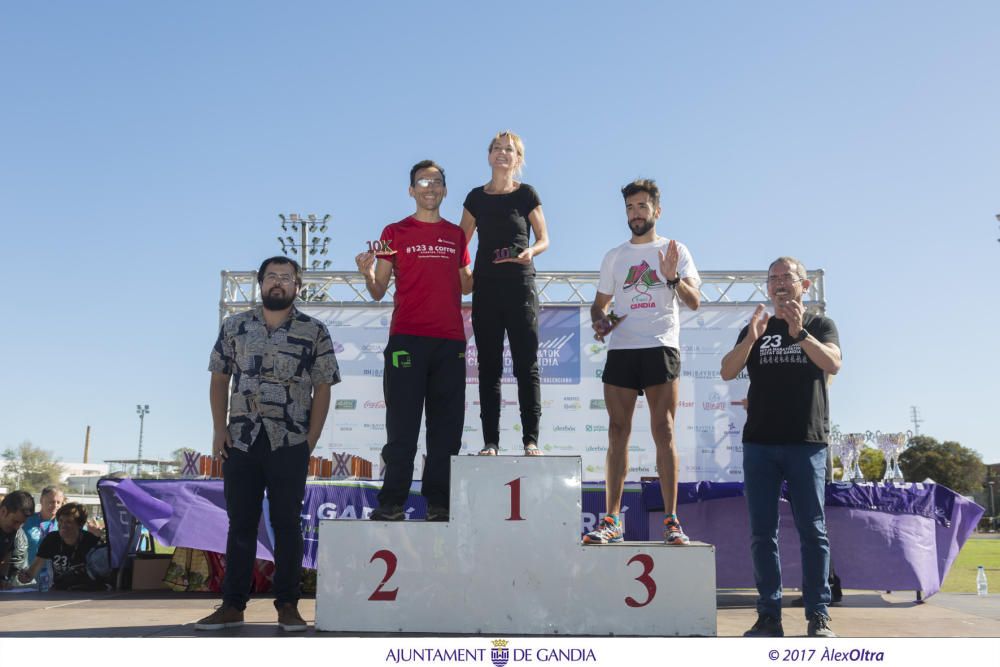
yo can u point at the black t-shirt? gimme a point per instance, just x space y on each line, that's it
502 224
69 561
787 401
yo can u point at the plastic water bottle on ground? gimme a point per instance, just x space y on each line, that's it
981 587
44 578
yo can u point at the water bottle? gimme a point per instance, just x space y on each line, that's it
981 588
44 578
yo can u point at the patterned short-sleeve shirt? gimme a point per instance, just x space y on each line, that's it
273 374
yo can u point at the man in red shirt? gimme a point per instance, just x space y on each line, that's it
425 357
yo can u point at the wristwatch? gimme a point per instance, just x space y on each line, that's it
803 334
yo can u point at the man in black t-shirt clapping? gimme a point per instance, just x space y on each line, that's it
789 358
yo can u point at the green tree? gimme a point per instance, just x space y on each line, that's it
872 464
30 468
948 463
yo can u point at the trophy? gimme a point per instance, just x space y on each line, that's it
854 443
837 450
892 445
380 248
512 252
613 321
846 459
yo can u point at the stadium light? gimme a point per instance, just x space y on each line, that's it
307 245
142 411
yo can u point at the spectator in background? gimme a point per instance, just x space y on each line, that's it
67 549
43 522
15 509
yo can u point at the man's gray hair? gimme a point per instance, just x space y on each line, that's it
51 491
800 268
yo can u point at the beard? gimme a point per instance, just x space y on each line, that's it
640 227
276 302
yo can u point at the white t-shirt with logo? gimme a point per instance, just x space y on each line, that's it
631 274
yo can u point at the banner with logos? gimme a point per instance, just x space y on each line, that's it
710 413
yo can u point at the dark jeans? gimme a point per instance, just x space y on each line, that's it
422 374
511 307
246 475
803 466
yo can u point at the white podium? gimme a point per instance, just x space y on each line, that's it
509 562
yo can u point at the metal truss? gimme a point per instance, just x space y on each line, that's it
336 289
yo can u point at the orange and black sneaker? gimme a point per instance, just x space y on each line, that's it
608 531
672 532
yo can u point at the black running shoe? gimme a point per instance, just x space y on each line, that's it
766 626
437 513
388 513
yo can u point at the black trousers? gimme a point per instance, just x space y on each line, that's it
422 375
509 307
245 477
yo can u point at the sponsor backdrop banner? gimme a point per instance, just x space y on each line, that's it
710 413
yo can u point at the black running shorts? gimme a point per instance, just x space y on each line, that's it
638 369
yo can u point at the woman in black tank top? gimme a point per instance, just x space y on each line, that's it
506 213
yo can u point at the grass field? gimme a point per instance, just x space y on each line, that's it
161 549
962 575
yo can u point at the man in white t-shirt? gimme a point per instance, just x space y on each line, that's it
647 277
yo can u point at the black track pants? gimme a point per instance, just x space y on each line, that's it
421 373
509 307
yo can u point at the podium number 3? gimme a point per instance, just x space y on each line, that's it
390 569
644 579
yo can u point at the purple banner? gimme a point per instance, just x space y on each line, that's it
881 537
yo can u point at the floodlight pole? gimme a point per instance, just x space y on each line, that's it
142 411
915 418
305 247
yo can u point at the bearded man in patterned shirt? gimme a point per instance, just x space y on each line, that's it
280 366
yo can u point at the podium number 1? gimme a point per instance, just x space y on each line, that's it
515 500
390 569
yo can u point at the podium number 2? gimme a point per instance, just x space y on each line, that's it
390 569
644 579
515 500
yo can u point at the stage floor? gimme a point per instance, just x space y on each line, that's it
133 614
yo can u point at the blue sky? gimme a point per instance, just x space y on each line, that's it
149 146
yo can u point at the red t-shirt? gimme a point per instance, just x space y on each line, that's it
428 298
